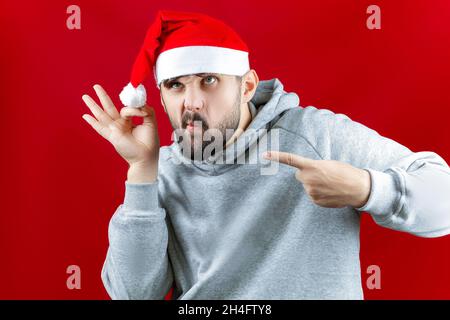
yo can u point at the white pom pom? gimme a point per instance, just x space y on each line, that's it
133 97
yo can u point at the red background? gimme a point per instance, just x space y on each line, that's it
61 181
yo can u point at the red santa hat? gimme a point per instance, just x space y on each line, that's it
183 43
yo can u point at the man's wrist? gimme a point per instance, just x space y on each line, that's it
143 172
363 190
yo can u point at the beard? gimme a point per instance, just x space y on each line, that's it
193 145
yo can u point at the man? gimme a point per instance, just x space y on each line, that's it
218 229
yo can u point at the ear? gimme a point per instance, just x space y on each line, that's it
250 82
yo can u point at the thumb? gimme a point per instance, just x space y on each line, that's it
128 112
148 114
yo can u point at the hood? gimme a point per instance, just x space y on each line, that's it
268 104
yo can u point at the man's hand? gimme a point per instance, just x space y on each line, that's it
329 183
137 144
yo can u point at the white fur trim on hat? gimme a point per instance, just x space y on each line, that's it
198 59
133 97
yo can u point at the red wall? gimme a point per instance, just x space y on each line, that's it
61 182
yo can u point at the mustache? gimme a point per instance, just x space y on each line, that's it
191 117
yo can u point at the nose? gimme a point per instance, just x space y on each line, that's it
193 100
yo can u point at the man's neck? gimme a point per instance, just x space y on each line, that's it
246 118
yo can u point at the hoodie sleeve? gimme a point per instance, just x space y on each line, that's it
410 191
137 265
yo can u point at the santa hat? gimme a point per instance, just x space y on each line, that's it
183 43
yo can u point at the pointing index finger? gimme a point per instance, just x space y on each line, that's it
290 159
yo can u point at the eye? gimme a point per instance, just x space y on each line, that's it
210 79
171 85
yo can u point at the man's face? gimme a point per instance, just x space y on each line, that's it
202 106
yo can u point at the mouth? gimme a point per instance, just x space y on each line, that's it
190 126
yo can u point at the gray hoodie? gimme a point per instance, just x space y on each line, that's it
221 230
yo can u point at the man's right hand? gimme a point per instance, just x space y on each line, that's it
137 144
